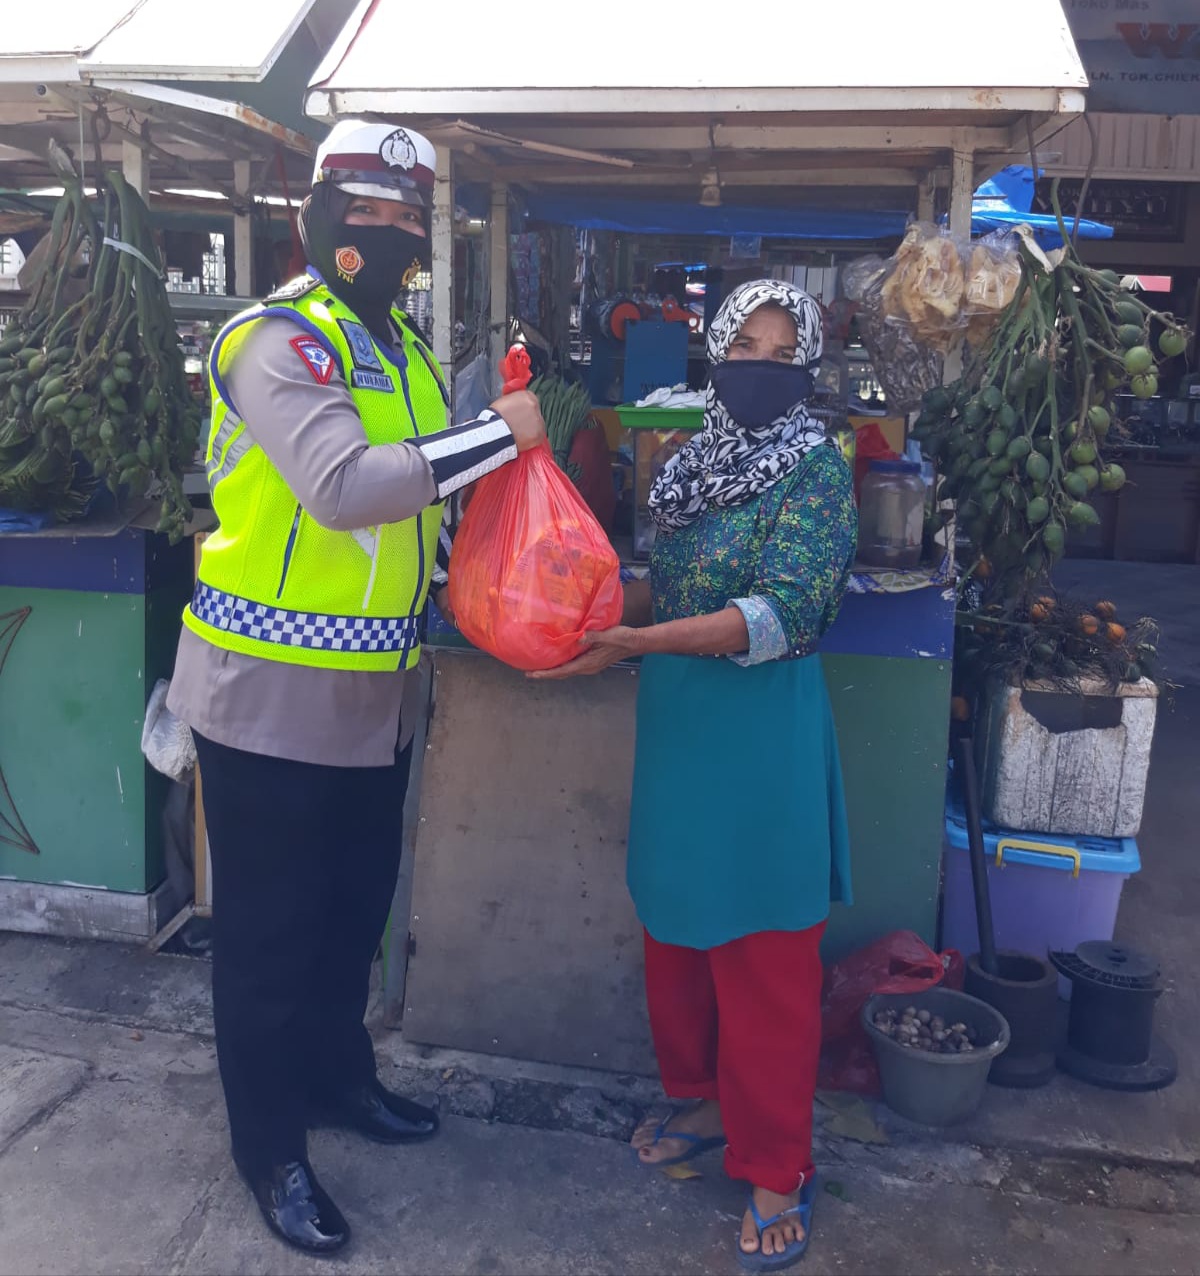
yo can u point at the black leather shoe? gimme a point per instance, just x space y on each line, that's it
380 1115
297 1208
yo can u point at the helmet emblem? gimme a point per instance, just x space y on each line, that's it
398 151
349 262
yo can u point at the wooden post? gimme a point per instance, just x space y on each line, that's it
243 233
962 195
962 192
443 265
135 165
926 191
498 252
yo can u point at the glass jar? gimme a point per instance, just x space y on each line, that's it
891 515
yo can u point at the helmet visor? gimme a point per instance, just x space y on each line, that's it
377 185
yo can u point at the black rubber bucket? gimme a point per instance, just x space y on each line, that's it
1025 991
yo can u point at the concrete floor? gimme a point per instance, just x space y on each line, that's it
113 1159
113 1146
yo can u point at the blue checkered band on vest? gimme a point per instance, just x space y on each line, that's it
302 628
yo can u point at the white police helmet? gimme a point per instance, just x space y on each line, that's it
377 160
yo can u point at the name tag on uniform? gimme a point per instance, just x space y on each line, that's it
361 380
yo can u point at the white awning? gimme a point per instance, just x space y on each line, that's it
642 55
99 76
222 39
649 96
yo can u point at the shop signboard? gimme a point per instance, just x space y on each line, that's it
1143 211
1141 56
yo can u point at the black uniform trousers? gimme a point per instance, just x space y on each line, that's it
305 860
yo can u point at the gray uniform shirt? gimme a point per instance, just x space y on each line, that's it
314 437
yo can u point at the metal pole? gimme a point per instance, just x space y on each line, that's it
443 262
498 253
979 877
243 233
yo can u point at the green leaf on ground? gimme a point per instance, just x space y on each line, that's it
852 1118
681 1172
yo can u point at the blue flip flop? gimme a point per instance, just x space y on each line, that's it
697 1144
795 1250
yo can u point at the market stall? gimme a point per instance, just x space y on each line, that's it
513 932
102 343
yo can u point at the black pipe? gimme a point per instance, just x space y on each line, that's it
979 878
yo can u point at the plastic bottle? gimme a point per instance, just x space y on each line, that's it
891 515
912 452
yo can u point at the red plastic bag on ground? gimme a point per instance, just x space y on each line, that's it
900 962
531 570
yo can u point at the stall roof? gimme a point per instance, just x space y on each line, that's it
636 56
125 38
95 77
642 95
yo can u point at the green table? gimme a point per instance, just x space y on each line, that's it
89 620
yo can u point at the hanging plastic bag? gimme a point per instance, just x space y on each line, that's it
531 570
925 287
904 367
993 274
900 962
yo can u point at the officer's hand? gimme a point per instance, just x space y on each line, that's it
523 417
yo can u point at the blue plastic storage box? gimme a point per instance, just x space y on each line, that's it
1049 891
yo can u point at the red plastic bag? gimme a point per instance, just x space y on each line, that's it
531 570
869 445
900 962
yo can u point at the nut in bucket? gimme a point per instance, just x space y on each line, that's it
934 1050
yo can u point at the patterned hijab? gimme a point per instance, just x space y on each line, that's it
727 464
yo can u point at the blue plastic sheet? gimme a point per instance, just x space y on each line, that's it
24 520
1005 200
663 217
1000 204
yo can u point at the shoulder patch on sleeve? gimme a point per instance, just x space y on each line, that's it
316 358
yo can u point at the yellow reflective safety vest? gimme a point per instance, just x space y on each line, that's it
272 581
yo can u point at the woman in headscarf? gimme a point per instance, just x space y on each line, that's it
738 831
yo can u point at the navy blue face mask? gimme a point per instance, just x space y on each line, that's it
756 392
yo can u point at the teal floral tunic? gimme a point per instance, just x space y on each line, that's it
738 820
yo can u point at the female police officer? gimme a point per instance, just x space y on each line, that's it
328 460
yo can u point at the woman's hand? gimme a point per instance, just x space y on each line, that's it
601 650
441 600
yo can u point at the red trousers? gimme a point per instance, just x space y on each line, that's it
742 1024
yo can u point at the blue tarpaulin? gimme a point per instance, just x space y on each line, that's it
1000 204
663 217
1005 201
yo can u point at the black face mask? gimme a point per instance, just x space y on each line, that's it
364 266
757 392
